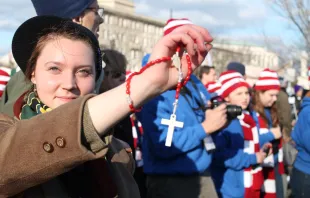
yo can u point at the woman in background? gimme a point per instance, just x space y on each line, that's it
266 90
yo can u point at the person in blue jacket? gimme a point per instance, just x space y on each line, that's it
300 179
235 166
182 169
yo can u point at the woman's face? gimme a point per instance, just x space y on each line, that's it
299 92
240 97
64 71
268 97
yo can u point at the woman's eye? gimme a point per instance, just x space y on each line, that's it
54 69
85 72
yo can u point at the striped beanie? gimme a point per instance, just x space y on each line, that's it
4 78
174 23
213 87
309 73
231 80
268 79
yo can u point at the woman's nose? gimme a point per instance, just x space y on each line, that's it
68 81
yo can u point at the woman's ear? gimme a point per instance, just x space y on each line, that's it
227 99
33 80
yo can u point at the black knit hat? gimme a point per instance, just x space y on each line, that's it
28 34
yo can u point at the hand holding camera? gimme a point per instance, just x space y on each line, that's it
233 111
215 119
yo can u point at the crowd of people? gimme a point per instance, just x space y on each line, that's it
71 123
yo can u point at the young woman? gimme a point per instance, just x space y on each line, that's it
61 126
300 180
264 112
235 167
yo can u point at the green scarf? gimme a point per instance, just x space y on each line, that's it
33 107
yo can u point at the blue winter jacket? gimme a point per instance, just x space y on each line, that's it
187 154
301 136
229 161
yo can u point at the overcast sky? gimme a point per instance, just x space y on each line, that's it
235 19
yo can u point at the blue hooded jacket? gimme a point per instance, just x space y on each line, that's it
187 154
229 161
301 136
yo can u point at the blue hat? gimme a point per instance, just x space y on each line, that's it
297 88
145 59
238 67
61 8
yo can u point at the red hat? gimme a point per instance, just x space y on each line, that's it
4 79
231 80
174 23
268 79
213 87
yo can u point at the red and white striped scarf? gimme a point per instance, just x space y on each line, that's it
269 187
138 152
4 78
253 176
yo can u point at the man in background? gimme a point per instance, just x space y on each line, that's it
285 118
206 74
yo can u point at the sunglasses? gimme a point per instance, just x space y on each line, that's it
99 11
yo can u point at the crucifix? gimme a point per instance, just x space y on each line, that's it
172 123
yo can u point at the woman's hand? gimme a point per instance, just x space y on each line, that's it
261 155
194 39
276 131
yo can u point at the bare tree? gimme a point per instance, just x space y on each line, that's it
284 51
297 12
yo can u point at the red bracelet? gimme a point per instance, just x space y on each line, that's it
148 65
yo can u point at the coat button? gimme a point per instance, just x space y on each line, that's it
48 147
61 142
128 150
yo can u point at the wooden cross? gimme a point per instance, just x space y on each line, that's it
172 123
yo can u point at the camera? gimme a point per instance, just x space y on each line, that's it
233 111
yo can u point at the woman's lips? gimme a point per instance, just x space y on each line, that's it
66 99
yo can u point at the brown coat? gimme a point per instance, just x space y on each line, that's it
34 152
284 114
